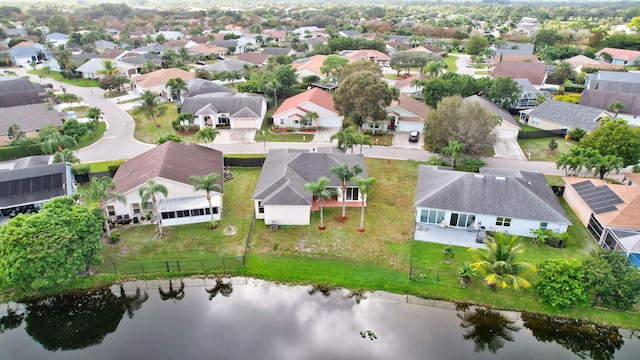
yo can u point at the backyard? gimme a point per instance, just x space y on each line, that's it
55 75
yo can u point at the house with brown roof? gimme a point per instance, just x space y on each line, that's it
579 62
209 49
407 87
374 56
406 114
620 56
309 66
254 58
293 110
156 81
535 72
601 99
609 211
170 164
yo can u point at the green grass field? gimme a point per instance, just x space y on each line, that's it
539 148
54 75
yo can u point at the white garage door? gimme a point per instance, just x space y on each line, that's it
407 126
244 123
507 133
330 122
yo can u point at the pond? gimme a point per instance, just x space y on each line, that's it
241 318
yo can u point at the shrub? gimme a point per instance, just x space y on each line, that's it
561 283
437 161
15 152
114 238
473 164
558 241
553 144
169 137
577 134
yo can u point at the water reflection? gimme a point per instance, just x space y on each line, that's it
12 320
79 319
171 293
224 287
324 290
488 329
588 341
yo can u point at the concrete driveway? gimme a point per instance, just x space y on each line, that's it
236 136
508 149
401 140
323 135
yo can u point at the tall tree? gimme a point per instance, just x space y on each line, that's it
345 173
345 137
504 91
176 87
148 192
364 186
434 69
172 293
361 139
109 68
53 140
602 165
321 192
476 44
453 149
49 248
64 56
498 262
151 106
615 137
611 279
208 184
487 328
99 192
364 95
332 64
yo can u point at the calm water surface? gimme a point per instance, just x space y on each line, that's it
251 319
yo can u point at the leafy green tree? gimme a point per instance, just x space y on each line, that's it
615 137
561 283
545 37
577 134
453 149
150 106
58 24
498 262
476 44
53 140
602 165
169 137
358 67
465 122
433 69
611 279
94 113
364 95
332 64
99 193
405 60
208 134
74 128
176 87
504 91
564 71
208 184
321 192
616 107
49 248
364 186
345 173
148 192
345 137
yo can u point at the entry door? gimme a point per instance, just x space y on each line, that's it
454 220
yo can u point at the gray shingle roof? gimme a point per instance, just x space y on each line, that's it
286 171
227 65
567 114
276 51
229 103
602 100
492 108
500 192
511 48
199 86
621 76
28 117
615 86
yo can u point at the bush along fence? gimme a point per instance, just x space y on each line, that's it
184 265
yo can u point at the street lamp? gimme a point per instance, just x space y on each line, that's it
264 141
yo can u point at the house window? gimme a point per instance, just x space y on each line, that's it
503 221
281 122
352 194
135 208
197 212
461 220
535 121
260 208
223 120
543 225
431 216
169 215
111 210
182 213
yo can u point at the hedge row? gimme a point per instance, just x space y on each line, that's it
14 152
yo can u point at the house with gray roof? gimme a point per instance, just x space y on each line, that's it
30 118
560 115
530 96
25 55
275 51
508 127
198 86
280 198
90 69
228 65
501 200
32 182
602 99
512 48
225 109
616 81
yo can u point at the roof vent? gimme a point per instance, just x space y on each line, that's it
478 176
501 178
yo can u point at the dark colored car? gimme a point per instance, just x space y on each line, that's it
200 62
414 136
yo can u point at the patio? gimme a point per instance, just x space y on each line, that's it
448 236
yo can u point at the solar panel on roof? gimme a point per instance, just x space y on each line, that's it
605 209
585 184
606 203
600 199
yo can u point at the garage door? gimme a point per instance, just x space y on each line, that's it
407 126
244 123
507 133
330 122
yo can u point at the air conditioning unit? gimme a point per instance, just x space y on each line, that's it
274 225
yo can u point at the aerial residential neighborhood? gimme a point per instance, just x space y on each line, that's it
290 143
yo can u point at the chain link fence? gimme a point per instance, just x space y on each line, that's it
186 265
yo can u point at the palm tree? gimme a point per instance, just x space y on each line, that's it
148 66
345 173
134 302
362 139
344 137
184 53
109 69
175 294
434 68
272 85
208 134
176 87
616 107
64 56
453 150
207 183
151 106
498 263
365 186
100 192
309 118
223 287
148 192
321 192
604 164
5 56
65 155
53 140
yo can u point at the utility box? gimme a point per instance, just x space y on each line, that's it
274 225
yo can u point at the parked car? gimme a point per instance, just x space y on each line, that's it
200 62
414 136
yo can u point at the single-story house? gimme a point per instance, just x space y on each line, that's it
57 38
275 51
374 56
170 164
254 58
609 211
602 99
407 87
405 114
208 49
294 109
623 82
89 70
579 62
198 86
535 72
556 115
512 48
156 81
309 66
223 109
27 53
32 182
508 127
501 200
620 56
530 96
31 118
280 198
228 65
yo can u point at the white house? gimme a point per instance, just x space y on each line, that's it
280 198
90 69
500 200
156 81
407 114
293 110
226 109
170 164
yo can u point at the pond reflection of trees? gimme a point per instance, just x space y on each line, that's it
223 287
586 340
171 293
76 320
489 329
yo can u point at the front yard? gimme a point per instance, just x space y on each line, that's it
539 148
146 129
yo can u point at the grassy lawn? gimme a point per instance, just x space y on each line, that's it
526 128
146 130
283 136
81 111
539 148
101 166
58 77
450 61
